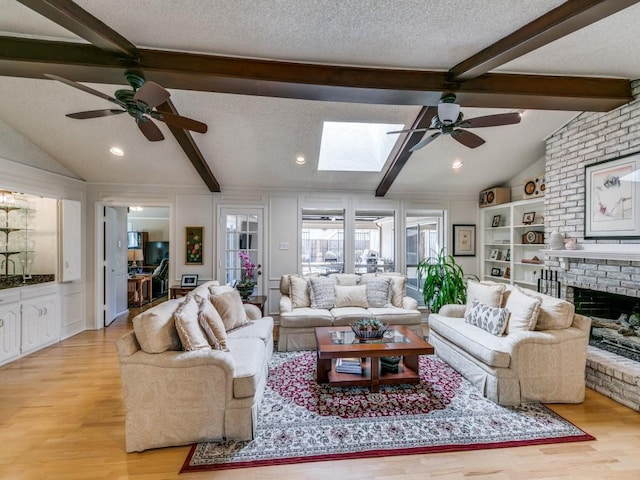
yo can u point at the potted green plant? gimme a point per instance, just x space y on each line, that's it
444 281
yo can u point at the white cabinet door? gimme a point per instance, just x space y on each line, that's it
40 322
71 242
9 331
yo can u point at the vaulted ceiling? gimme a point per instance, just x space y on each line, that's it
264 76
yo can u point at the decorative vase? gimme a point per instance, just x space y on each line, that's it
245 290
555 241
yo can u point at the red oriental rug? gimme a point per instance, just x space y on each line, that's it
301 421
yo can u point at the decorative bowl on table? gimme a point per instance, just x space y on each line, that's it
369 329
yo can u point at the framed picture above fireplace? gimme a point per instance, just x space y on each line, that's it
612 198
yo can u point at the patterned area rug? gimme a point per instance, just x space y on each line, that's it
301 421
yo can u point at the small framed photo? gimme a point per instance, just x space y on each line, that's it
495 254
496 272
496 221
528 218
189 280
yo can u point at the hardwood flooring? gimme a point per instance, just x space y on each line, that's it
61 418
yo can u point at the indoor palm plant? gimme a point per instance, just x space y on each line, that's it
444 281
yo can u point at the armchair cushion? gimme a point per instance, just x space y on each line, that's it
189 330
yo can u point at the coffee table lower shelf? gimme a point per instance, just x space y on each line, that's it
403 376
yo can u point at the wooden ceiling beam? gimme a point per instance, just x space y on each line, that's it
559 22
77 20
423 120
185 71
188 144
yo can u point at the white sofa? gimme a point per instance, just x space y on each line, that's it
541 358
299 316
175 397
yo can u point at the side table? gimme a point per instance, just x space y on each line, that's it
258 300
176 291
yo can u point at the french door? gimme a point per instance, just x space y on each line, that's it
241 231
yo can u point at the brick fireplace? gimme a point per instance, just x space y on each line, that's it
608 266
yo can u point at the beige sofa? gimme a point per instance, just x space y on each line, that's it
177 397
299 316
541 358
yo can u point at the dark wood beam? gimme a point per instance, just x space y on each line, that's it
85 63
190 148
423 120
77 20
559 22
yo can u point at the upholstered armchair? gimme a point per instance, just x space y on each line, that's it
160 278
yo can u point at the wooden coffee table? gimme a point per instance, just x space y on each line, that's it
341 342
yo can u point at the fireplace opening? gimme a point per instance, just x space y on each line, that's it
615 320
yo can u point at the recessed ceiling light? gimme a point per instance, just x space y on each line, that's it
457 164
117 151
300 160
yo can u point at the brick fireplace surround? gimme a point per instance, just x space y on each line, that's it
587 139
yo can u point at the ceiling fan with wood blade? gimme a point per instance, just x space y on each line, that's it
139 102
450 121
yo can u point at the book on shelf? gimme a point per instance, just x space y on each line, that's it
349 365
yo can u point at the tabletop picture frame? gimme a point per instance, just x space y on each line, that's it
464 240
528 218
612 198
189 280
496 221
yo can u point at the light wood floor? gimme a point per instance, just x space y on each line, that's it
61 417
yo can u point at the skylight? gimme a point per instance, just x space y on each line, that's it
356 147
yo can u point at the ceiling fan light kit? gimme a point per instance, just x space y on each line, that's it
450 121
139 103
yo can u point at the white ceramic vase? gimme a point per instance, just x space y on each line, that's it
555 241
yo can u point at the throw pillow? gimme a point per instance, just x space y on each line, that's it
218 289
524 311
488 294
212 324
351 296
155 328
299 292
398 287
229 306
555 313
322 293
186 318
378 291
492 319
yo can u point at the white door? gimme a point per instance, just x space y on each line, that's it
109 266
241 231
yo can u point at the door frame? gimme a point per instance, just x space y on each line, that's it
99 244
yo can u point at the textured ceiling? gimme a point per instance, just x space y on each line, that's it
253 141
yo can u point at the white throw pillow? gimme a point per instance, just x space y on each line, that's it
524 311
555 314
490 295
378 291
299 292
398 287
351 296
191 334
492 319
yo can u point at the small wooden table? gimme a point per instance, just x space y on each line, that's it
139 290
176 291
341 342
258 300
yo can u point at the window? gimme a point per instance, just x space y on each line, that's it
322 241
374 245
424 237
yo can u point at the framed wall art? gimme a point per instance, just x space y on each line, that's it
612 198
194 246
464 240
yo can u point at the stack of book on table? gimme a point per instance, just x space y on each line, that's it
349 365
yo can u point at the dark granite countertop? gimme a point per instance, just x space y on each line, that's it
12 281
